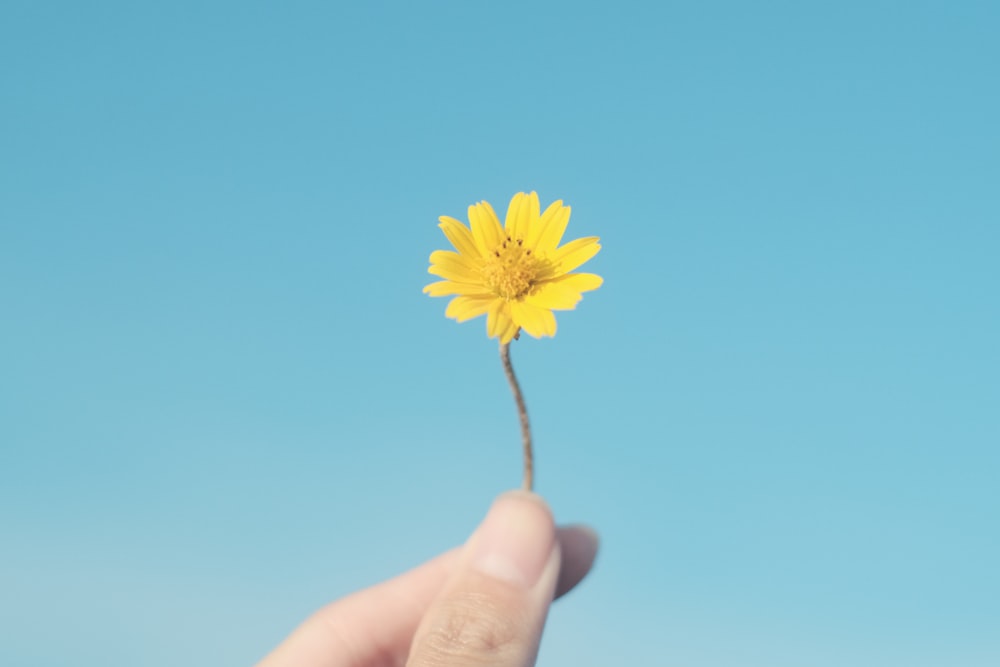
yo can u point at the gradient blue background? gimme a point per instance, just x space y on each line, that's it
224 400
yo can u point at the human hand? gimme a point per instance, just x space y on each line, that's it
484 603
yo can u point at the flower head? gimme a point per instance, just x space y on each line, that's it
515 274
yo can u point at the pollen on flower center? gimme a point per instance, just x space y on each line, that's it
511 270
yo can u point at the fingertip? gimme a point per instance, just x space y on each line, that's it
578 543
515 540
526 497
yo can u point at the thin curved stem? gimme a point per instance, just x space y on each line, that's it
522 412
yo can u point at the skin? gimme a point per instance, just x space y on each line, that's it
484 603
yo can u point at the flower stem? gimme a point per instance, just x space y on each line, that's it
522 412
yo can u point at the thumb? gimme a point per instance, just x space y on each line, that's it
493 609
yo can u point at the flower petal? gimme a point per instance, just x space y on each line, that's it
508 327
581 282
534 211
446 287
522 215
554 296
552 226
498 320
513 213
460 236
486 228
463 308
493 214
575 253
565 292
508 334
543 221
452 266
536 321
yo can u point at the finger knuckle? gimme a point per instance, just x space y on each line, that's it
473 629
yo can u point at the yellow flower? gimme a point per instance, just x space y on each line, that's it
516 274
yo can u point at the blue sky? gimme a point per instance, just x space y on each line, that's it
224 400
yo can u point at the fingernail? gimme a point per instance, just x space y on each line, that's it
515 540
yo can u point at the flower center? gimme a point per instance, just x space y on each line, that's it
511 271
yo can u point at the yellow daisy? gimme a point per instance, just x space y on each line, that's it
515 274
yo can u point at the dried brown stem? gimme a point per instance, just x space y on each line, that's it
522 412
